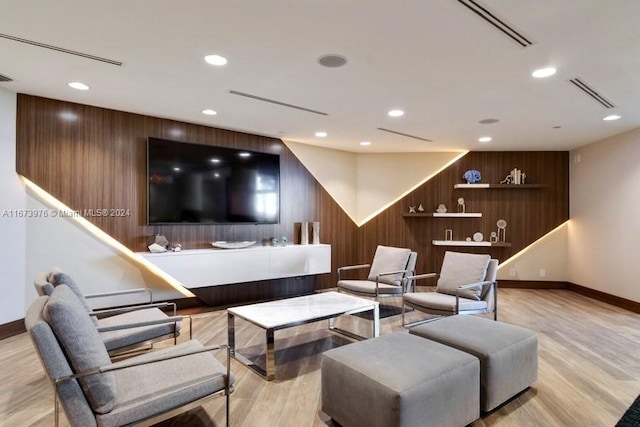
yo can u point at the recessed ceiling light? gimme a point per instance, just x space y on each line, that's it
214 160
244 154
321 134
332 60
485 139
543 72
612 117
395 113
176 169
209 112
78 85
216 60
365 143
488 121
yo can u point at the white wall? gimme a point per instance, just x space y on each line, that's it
12 230
96 266
604 230
363 185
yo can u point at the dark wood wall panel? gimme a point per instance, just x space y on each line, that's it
93 158
530 213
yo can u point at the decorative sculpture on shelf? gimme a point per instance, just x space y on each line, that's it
448 234
502 225
472 176
461 207
412 209
494 237
516 176
420 208
441 208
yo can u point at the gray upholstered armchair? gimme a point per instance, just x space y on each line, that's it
94 391
125 328
387 273
467 285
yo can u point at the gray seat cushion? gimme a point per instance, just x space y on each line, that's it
157 387
125 337
83 346
460 269
368 287
441 302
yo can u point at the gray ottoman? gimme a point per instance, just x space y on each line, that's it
508 354
400 380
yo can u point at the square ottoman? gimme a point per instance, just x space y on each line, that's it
400 380
508 354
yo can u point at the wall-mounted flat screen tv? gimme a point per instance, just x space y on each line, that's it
204 184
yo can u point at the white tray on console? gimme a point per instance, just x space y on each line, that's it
232 245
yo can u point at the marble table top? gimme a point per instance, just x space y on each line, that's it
291 311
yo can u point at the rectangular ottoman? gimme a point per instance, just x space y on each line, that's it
400 380
508 354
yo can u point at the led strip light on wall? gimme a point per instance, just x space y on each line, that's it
92 229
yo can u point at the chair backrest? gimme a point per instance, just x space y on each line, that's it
57 366
388 259
489 291
411 267
458 269
46 282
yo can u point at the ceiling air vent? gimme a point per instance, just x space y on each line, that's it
580 84
60 49
405 134
273 101
498 23
4 79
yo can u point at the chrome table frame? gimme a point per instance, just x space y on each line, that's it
330 315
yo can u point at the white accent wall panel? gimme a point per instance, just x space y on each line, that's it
604 230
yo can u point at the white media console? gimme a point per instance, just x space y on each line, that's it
197 268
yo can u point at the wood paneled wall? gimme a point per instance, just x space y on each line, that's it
94 158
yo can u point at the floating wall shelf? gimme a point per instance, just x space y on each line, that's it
443 215
508 186
472 243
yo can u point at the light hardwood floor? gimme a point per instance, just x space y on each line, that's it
589 368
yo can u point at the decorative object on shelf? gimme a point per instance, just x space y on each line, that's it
494 237
283 241
156 248
478 237
160 244
304 233
472 176
412 209
516 177
316 233
461 206
274 241
441 208
502 225
420 208
448 234
468 239
176 246
162 241
221 244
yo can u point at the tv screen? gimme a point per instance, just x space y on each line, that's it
204 184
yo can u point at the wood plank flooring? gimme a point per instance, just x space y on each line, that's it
589 368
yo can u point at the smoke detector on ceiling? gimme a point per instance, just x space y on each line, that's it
332 60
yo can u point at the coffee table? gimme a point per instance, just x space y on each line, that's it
274 315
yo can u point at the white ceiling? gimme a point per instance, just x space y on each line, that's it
435 59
